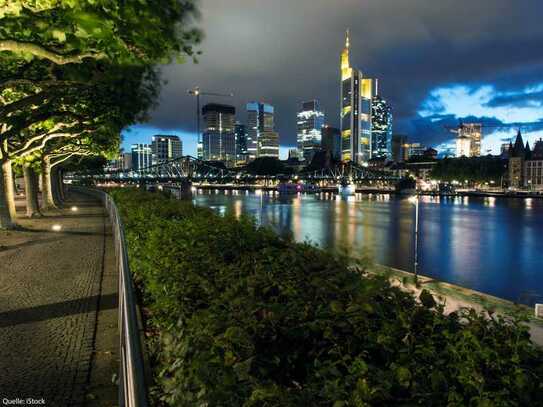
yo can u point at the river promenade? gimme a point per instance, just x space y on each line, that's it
58 307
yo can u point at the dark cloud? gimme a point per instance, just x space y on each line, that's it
286 51
534 99
437 128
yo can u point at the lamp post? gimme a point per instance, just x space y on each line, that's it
197 92
415 200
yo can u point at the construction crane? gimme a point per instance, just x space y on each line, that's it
197 92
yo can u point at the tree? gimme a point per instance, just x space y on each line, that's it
108 106
50 49
472 169
267 166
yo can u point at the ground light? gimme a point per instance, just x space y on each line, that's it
74 208
56 228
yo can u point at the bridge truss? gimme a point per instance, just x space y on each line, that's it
188 168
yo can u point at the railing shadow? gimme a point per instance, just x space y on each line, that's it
57 310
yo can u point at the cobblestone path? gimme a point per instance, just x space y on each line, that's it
49 290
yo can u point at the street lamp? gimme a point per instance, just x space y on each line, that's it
197 92
415 200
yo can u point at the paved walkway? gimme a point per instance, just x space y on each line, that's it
50 291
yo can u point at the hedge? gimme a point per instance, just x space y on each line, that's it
239 316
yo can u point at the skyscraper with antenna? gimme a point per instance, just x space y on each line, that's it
357 92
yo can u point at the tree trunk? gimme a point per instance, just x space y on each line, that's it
46 186
61 190
31 192
9 186
55 186
6 218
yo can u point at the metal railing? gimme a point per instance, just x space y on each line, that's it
132 384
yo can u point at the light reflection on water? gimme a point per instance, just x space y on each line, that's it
491 244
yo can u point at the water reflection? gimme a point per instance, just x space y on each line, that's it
488 244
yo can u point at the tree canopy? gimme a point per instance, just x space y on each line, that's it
267 166
472 169
73 31
74 73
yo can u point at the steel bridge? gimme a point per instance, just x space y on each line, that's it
188 168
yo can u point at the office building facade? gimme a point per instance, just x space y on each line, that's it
142 156
268 144
399 148
463 146
166 148
240 132
260 119
469 139
381 128
355 115
218 138
309 126
416 150
331 141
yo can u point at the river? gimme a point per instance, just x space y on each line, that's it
493 245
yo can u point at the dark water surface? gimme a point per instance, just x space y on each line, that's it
493 245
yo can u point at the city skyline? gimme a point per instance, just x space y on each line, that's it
482 61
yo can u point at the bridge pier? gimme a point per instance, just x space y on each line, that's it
182 189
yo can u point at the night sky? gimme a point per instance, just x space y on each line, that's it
437 62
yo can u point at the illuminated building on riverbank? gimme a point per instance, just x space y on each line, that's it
381 128
355 115
268 144
260 119
166 147
218 138
309 128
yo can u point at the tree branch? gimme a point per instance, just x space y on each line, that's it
10 83
68 155
42 52
29 150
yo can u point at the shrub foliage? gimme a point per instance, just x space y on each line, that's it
238 316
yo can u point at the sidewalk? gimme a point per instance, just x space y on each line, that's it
56 287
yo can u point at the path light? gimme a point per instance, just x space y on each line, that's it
74 208
56 228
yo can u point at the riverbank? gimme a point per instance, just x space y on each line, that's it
376 190
238 315
454 298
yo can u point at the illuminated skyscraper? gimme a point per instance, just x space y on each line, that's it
240 130
219 143
468 140
259 120
381 128
355 116
463 146
141 156
268 144
310 122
